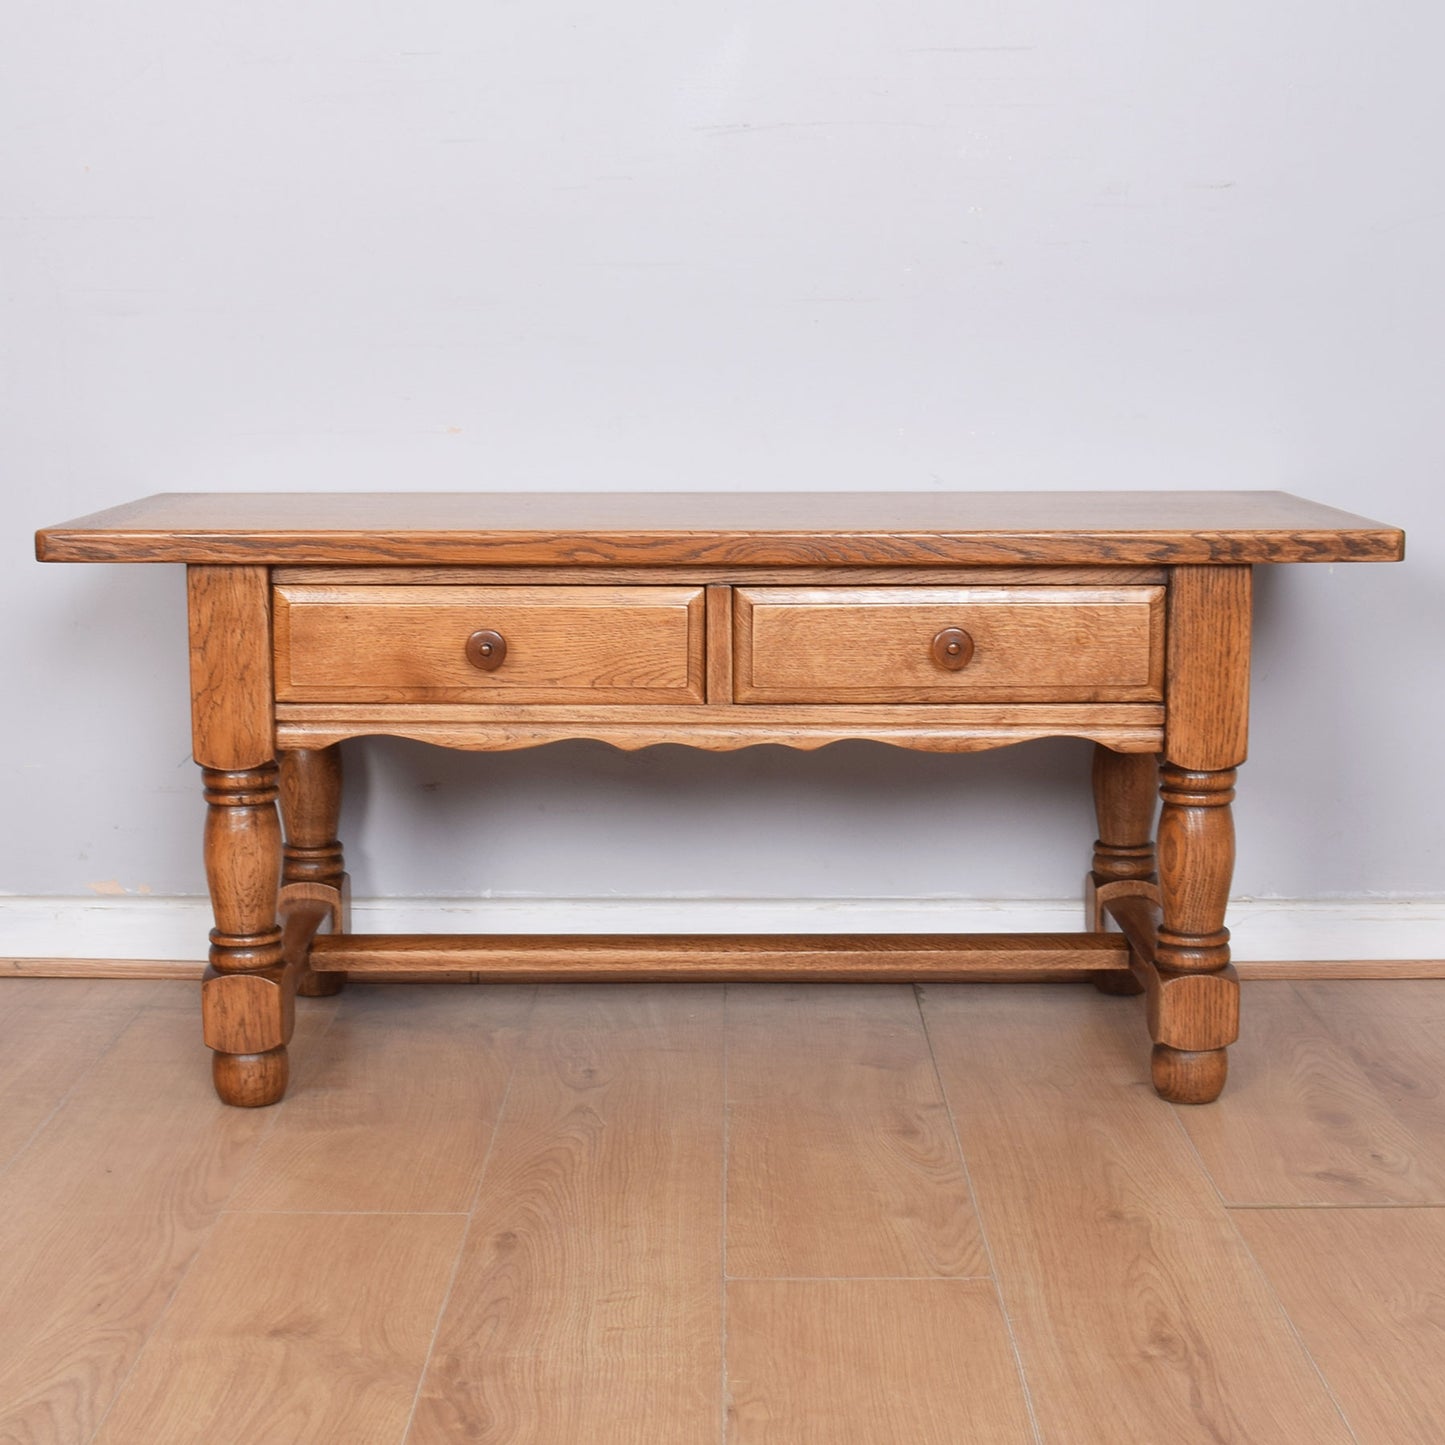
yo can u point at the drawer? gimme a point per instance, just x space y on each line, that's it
543 644
949 644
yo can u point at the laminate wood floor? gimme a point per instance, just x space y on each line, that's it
697 1215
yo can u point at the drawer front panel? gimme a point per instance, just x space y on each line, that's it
558 644
949 644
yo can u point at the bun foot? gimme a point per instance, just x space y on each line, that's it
250 1081
1118 982
1185 1077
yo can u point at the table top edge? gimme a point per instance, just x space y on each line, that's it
842 528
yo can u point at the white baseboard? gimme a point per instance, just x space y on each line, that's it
1265 930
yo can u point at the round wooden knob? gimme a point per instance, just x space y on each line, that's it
952 648
487 650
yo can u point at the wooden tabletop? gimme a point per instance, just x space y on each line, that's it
733 528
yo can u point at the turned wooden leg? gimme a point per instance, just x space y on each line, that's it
312 866
1194 1012
1125 789
246 999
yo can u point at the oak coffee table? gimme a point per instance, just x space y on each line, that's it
945 622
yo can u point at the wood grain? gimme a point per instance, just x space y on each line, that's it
230 644
587 1304
1393 1037
1138 1311
248 993
1193 992
136 969
111 1200
395 1106
310 798
871 1362
860 958
242 852
50 1034
565 644
739 576
247 1020
308 1327
841 1155
315 890
758 529
1303 1123
1366 1289
719 645
938 728
1196 864
874 644
604 1239
306 909
1125 789
1207 670
1342 969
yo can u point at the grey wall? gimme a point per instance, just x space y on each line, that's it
648 245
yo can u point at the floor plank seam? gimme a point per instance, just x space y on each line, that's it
1364 1333
1176 1111
274 1116
64 1098
353 1213
1295 1331
918 997
523 1036
856 1278
1440 1204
